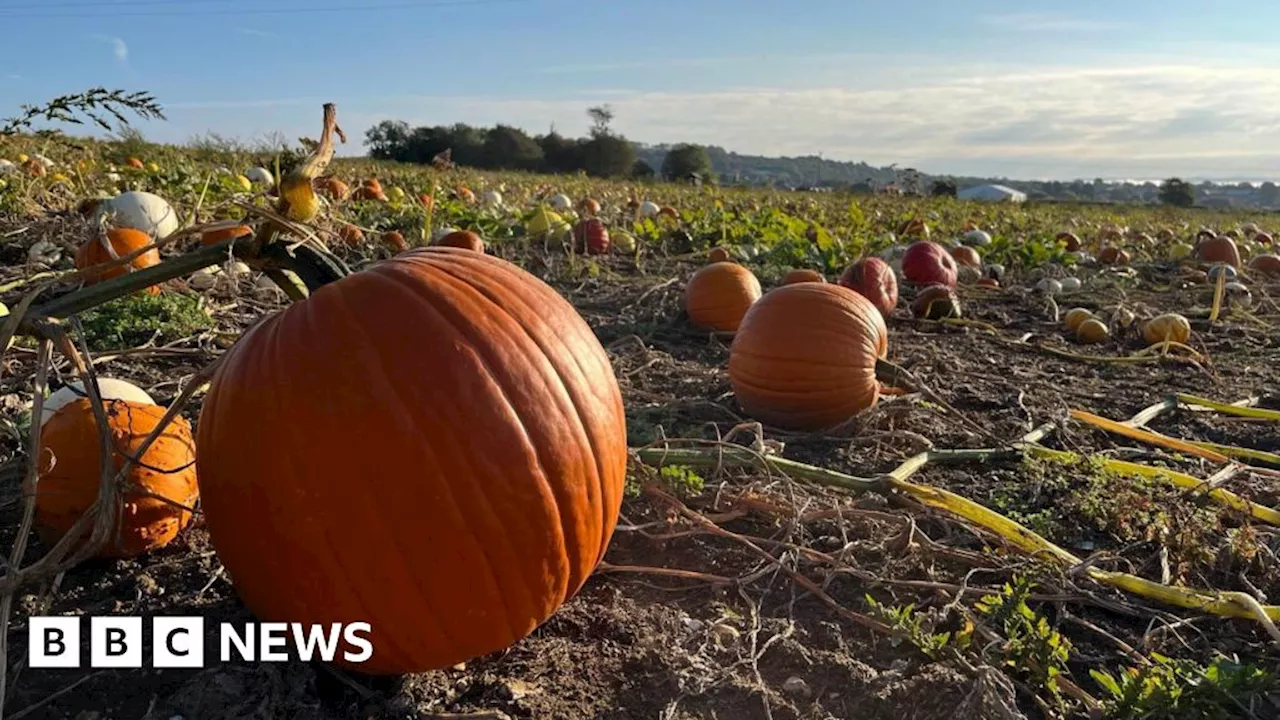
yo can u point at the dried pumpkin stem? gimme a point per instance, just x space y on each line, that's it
898 376
45 352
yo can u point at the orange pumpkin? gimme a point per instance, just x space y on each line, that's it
800 275
805 356
333 188
965 255
70 474
1070 240
465 194
135 163
1112 255
394 239
213 237
487 493
370 190
35 168
1263 238
718 254
719 294
464 239
123 241
669 212
351 235
1268 264
1220 249
590 207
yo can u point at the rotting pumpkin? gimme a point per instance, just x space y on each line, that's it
806 356
476 496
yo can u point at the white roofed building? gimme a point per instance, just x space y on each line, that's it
991 193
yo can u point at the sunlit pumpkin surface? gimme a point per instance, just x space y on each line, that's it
435 445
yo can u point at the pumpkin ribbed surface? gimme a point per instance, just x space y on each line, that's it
435 445
719 294
805 356
70 474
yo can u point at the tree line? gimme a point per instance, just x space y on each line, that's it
603 153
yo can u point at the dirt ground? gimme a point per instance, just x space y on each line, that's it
741 633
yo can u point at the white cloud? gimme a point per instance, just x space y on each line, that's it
1138 120
118 47
1042 22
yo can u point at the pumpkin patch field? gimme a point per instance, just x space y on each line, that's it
589 448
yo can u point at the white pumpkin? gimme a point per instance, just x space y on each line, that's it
560 202
1049 286
44 161
7 167
649 209
976 237
140 210
204 278
43 252
438 234
112 177
108 388
260 175
493 197
1070 284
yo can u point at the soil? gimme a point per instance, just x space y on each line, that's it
738 636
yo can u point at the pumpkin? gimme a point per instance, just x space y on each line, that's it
915 227
718 254
1092 331
936 302
351 235
35 168
464 239
1263 238
139 210
213 237
590 207
134 162
465 194
481 500
333 188
1220 249
591 236
1112 255
965 255
873 279
560 202
719 294
1075 316
989 282
1267 264
260 176
804 357
800 275
108 389
648 209
394 240
371 189
70 474
123 241
928 263
1069 239
1168 327
669 212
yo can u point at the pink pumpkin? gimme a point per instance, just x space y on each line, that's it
873 279
592 235
928 263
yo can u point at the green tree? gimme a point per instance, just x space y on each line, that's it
509 147
944 188
608 156
1177 192
1269 194
388 139
684 159
642 170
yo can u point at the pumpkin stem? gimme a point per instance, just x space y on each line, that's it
899 377
315 267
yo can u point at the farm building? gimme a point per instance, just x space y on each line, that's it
992 193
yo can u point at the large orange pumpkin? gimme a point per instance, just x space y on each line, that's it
719 294
456 480
70 467
805 356
1221 249
123 241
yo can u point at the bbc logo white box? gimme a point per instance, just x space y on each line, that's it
177 642
54 642
115 642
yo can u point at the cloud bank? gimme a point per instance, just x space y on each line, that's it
1139 120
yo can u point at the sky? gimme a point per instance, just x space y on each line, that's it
1030 90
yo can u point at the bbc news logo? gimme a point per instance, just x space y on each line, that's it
179 642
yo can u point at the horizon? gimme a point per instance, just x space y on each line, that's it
1143 91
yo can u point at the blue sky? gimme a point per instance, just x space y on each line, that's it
1116 89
